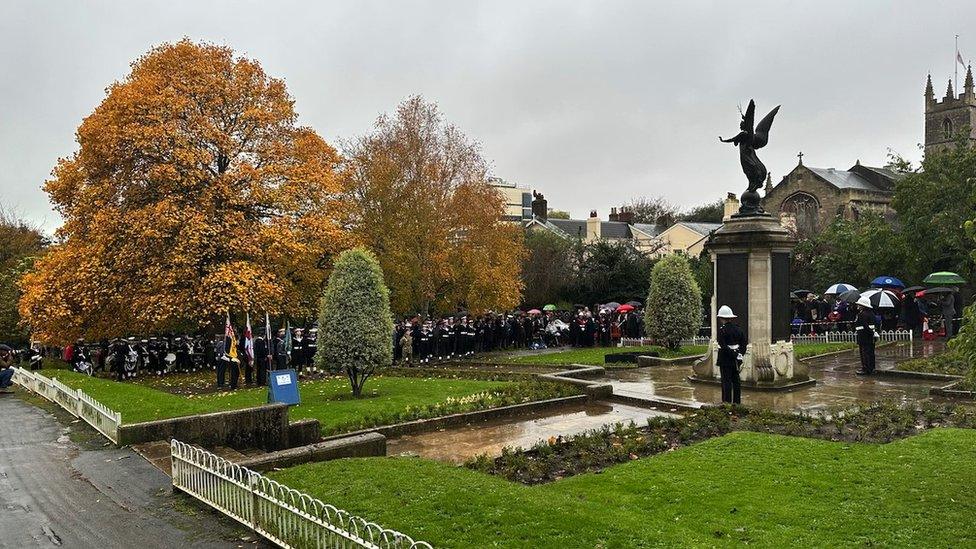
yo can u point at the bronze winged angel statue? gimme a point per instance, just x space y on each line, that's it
748 141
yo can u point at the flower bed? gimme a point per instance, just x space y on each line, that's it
595 450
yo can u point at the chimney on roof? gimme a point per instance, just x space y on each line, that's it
592 227
626 215
614 216
731 206
540 208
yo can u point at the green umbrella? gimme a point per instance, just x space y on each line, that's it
549 307
944 277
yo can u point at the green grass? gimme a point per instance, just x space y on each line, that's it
807 350
594 355
945 363
754 488
329 401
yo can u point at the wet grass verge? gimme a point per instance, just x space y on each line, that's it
596 450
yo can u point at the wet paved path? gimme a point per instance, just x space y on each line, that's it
457 445
55 493
837 386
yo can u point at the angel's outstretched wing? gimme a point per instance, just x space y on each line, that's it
762 129
748 119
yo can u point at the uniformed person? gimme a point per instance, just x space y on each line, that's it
261 354
298 349
864 328
280 352
731 346
311 347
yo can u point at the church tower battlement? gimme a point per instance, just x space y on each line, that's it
945 119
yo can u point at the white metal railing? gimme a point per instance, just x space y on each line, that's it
886 336
283 515
75 401
644 341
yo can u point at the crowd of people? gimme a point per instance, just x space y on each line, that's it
927 315
418 341
228 357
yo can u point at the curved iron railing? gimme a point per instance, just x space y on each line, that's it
283 515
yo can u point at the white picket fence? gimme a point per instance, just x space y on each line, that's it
644 341
283 515
825 337
75 401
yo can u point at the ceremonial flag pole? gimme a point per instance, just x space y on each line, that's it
267 338
230 349
248 341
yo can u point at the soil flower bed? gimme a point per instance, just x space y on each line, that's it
596 450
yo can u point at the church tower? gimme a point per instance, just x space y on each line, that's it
945 119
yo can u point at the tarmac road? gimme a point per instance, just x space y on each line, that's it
55 492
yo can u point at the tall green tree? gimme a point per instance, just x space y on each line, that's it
711 212
674 303
547 270
20 244
933 205
853 252
356 325
609 271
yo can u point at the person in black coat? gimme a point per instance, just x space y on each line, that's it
261 360
731 345
864 328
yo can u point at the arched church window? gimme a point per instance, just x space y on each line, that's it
947 128
805 209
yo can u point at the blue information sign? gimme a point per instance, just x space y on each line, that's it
283 387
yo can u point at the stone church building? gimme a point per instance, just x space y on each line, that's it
808 199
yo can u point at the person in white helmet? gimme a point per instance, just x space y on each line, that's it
865 334
731 345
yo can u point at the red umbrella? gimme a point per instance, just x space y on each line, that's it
625 308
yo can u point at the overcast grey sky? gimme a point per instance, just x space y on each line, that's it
592 103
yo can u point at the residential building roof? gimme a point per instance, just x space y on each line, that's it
700 228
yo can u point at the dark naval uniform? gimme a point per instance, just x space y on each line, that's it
731 343
864 329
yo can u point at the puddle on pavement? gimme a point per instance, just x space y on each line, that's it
459 444
837 386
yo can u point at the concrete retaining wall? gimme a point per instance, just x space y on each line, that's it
304 431
433 424
363 445
263 427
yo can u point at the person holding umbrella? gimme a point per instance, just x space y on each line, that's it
6 368
864 329
731 345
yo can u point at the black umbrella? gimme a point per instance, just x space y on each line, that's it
911 289
801 293
939 290
850 296
634 303
5 347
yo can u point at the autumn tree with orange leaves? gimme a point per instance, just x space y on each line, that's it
193 191
425 208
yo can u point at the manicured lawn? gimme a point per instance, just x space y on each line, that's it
329 401
754 488
945 363
594 355
806 350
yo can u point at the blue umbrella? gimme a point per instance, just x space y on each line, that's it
887 282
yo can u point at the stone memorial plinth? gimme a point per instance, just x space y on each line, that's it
751 269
